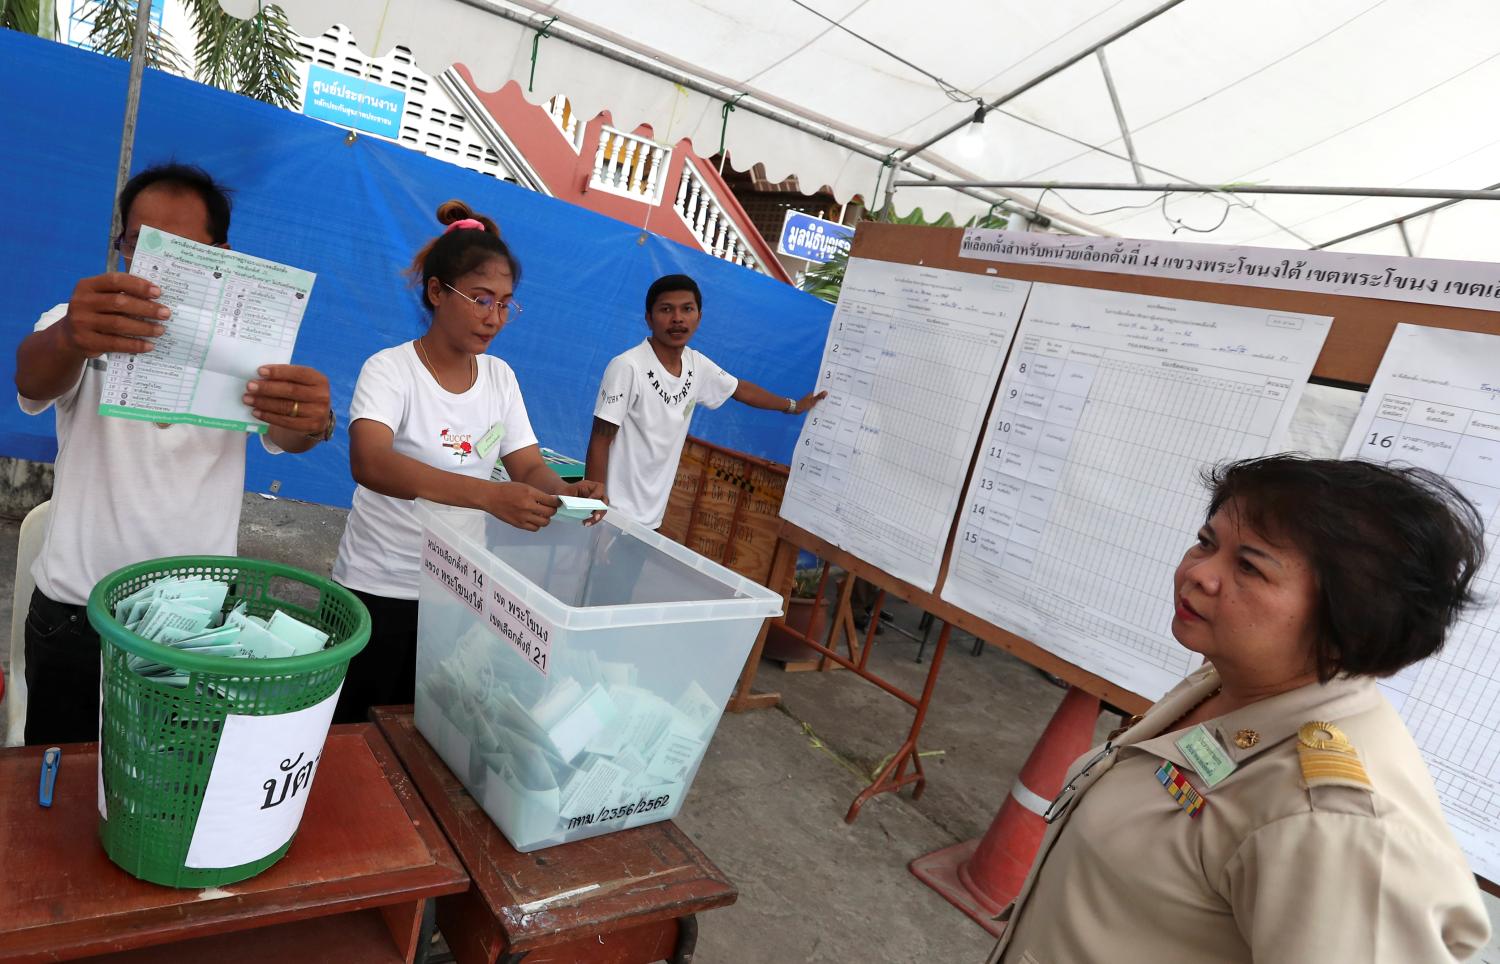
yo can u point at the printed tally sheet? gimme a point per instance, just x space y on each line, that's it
1435 402
909 366
1087 488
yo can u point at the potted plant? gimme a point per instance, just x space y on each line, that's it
784 646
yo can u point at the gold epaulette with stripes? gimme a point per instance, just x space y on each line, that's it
1328 760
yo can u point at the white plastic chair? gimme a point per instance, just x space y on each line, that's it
33 528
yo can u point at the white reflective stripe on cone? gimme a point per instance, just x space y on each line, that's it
1024 796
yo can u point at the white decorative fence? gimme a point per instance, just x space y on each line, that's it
710 223
630 165
561 112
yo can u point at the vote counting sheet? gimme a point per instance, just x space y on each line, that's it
1435 402
910 364
231 314
1087 488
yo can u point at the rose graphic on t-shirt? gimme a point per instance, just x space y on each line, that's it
462 445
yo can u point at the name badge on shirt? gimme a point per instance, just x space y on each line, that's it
490 439
687 410
1209 759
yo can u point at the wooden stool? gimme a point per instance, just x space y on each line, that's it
651 880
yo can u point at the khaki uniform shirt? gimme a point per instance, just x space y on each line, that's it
1272 870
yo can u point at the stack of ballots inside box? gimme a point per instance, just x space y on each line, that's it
583 750
188 615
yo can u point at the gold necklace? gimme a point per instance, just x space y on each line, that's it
473 369
1193 709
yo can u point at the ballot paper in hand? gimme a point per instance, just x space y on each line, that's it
574 507
231 314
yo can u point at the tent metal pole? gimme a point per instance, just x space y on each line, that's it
1114 100
1405 239
638 62
127 130
1393 221
1175 187
1047 74
886 211
676 77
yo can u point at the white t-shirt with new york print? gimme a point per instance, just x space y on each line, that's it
381 552
653 408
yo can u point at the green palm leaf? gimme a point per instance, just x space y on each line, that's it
113 34
255 57
36 17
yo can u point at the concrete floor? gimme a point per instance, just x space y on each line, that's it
769 801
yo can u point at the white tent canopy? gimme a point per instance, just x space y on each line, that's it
1382 93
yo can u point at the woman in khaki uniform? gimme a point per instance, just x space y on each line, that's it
1272 807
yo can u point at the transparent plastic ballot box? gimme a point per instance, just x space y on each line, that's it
572 678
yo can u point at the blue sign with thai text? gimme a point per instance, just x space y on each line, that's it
353 102
813 239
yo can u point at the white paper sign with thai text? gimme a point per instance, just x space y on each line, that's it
259 785
1425 281
501 613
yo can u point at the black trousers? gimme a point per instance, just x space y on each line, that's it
62 674
385 671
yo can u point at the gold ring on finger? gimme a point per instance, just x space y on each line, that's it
294 408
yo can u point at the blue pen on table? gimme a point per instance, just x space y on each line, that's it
51 760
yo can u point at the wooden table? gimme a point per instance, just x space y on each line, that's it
352 887
652 880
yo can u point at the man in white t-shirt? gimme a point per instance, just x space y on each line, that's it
125 491
647 398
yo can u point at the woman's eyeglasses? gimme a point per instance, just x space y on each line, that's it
1059 804
485 304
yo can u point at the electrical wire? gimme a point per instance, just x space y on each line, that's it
1207 189
960 95
954 92
1177 224
1196 101
1017 62
1037 207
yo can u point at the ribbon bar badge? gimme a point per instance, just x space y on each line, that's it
1177 785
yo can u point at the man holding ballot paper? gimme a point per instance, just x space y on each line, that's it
128 489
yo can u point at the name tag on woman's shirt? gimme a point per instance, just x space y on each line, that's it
1208 758
490 439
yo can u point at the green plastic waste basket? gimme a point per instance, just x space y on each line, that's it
157 742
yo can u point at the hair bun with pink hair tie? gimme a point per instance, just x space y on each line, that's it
464 224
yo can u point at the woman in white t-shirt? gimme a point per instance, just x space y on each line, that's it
429 420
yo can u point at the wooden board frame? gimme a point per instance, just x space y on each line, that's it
1356 343
1357 339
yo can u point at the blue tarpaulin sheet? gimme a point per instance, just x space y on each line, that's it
354 214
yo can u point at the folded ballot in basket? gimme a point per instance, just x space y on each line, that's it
573 677
205 760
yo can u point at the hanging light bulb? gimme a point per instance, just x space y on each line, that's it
971 141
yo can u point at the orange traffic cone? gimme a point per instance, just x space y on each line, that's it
980 877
